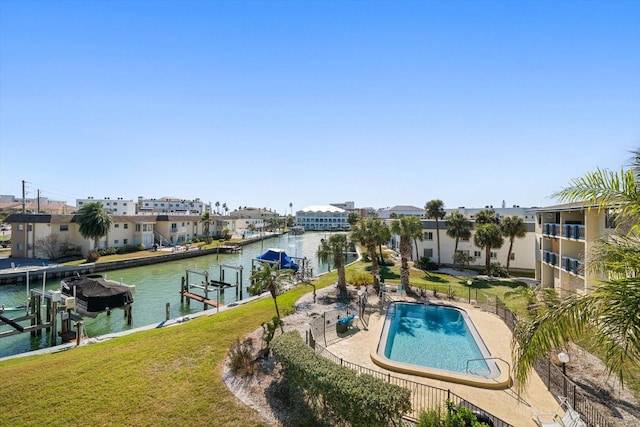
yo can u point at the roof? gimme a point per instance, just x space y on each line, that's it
322 208
405 208
575 206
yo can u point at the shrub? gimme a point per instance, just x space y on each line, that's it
336 393
460 416
93 256
240 358
425 264
498 270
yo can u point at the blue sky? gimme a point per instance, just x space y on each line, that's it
267 103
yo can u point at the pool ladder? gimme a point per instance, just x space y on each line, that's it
485 359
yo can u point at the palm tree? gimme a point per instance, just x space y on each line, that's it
512 227
269 278
291 208
334 248
407 227
365 232
458 227
487 216
382 237
218 208
607 316
488 236
206 221
536 297
94 222
352 218
225 208
434 209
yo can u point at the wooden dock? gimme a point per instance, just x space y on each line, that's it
200 298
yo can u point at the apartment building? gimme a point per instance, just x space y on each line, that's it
322 218
522 255
565 234
169 204
117 206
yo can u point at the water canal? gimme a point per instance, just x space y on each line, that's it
157 285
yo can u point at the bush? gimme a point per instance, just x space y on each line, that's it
460 416
240 358
93 256
425 264
338 394
498 270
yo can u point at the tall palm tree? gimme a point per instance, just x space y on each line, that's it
434 209
408 228
334 249
225 208
268 277
206 222
218 208
512 227
365 232
458 227
488 236
607 316
94 222
382 237
291 208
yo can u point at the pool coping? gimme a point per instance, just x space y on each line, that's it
501 381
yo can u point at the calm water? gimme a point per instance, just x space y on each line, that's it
159 284
434 337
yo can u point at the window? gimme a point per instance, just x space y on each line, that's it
126 226
494 254
513 256
125 241
20 246
116 225
64 227
477 254
20 227
115 242
464 239
428 235
427 253
30 227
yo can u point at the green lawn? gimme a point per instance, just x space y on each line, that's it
162 377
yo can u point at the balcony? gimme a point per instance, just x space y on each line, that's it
573 231
573 265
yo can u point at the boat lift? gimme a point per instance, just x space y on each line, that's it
209 285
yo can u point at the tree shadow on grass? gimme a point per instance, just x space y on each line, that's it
434 279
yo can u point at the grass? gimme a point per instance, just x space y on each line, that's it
169 376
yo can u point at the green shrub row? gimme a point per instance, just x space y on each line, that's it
121 250
337 393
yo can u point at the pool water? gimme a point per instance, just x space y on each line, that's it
437 337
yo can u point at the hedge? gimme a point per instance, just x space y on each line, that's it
337 392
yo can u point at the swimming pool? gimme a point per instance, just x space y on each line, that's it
435 341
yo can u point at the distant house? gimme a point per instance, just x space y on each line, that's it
398 211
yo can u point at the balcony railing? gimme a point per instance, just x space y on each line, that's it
550 257
573 265
551 229
573 231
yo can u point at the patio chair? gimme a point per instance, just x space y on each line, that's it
565 416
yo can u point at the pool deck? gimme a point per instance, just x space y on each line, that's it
505 404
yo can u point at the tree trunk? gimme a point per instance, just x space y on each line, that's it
438 240
405 252
375 269
509 255
455 251
488 260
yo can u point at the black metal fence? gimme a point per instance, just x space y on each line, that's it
423 397
558 384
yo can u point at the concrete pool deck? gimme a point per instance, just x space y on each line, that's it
358 346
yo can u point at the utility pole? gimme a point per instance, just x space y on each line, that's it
24 207
38 201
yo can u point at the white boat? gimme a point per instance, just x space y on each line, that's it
297 229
